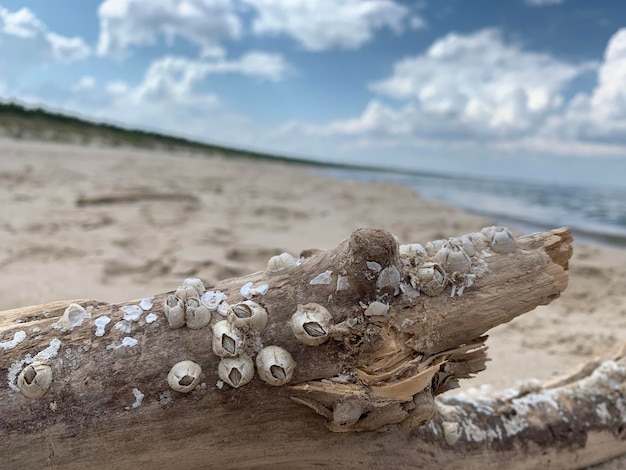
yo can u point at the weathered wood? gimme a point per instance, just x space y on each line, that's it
378 372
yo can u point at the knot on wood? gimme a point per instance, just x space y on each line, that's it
373 245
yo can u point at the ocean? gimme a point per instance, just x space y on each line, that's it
594 214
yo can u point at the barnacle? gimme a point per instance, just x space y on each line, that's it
236 371
174 309
281 263
227 339
503 241
192 287
197 314
248 315
275 365
184 376
430 278
35 380
310 324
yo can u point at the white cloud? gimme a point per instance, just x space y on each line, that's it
22 23
84 83
479 91
66 49
322 24
128 23
26 41
182 73
316 24
117 88
171 94
600 115
474 86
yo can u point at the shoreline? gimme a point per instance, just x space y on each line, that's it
606 235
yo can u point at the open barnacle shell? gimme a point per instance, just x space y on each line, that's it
174 309
236 371
429 278
35 380
311 323
184 376
275 365
227 339
247 315
197 315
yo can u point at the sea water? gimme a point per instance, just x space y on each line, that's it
594 213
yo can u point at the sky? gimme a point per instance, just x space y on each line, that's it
518 89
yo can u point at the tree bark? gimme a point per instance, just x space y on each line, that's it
406 323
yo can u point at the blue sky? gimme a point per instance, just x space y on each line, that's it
531 89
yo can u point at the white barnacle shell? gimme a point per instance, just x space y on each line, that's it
413 251
409 290
212 299
503 241
434 246
248 291
487 232
342 283
311 324
197 315
245 290
227 339
223 308
174 309
479 241
35 380
282 263
389 277
73 316
101 323
192 287
275 365
247 315
453 259
236 371
467 245
374 266
260 289
376 309
322 279
184 376
430 278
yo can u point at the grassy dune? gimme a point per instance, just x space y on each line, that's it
20 122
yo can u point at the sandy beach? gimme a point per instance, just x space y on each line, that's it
117 224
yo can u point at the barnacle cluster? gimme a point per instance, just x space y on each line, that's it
191 305
235 339
453 263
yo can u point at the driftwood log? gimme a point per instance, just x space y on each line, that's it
369 333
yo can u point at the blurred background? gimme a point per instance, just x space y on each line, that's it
525 97
515 109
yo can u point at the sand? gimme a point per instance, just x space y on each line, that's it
119 224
